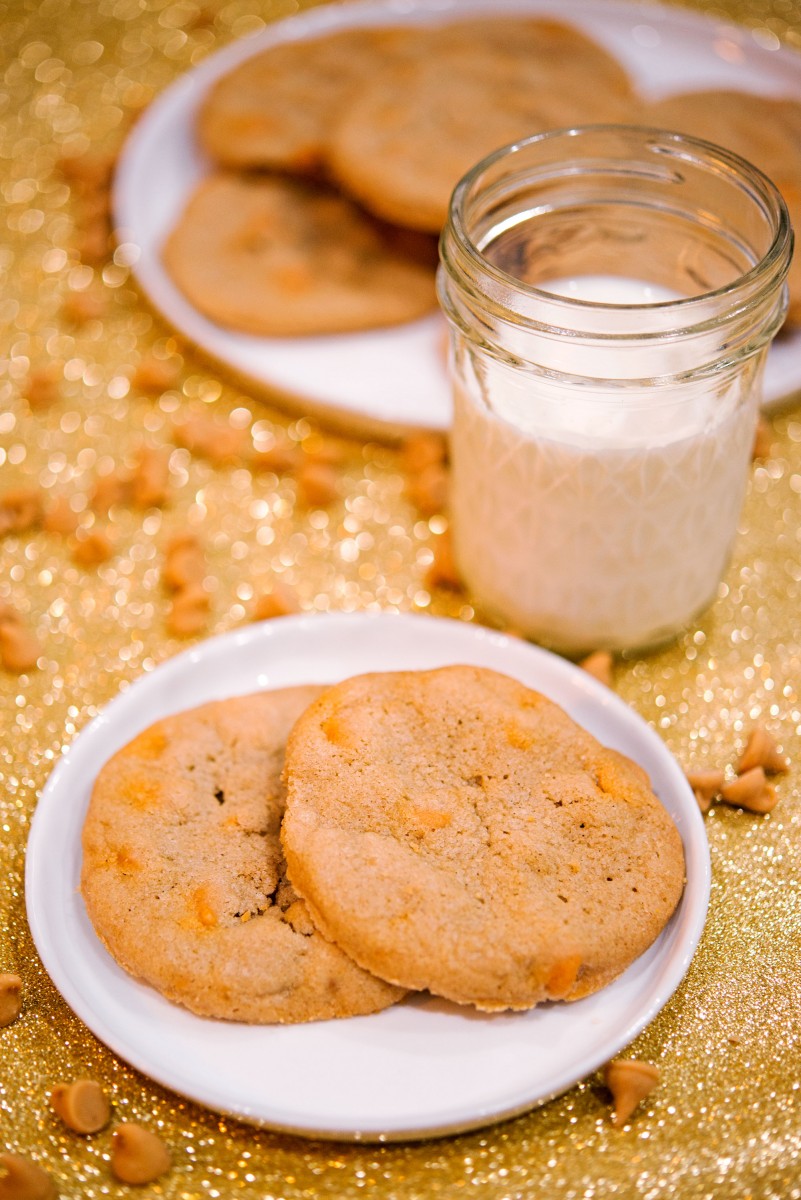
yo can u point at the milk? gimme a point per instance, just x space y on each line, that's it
588 515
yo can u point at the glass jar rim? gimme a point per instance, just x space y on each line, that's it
771 266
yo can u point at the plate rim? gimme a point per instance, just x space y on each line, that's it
669 974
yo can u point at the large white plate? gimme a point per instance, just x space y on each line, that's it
424 1067
385 381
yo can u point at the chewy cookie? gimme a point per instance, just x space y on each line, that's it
183 875
276 256
275 109
456 831
407 136
765 131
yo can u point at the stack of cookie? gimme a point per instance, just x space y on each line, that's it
310 853
333 160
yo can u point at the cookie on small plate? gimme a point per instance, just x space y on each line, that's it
183 875
408 135
278 257
454 830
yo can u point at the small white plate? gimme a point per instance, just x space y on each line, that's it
388 381
424 1067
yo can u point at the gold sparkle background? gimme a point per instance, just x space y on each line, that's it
726 1120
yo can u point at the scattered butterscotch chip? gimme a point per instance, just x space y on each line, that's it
60 517
283 456
82 1105
184 562
751 791
421 450
763 440
220 444
94 241
81 307
10 997
317 484
24 1180
109 490
428 489
326 449
42 388
149 484
280 602
91 548
89 173
443 572
155 374
19 648
706 785
188 612
761 751
20 510
629 1081
599 664
138 1155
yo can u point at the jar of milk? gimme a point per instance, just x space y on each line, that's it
611 293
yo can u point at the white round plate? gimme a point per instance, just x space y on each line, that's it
388 381
424 1067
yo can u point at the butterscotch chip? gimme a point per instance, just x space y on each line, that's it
155 374
109 490
42 388
318 484
20 510
275 108
281 601
60 517
599 664
93 242
761 751
91 548
442 571
275 256
750 791
181 843
206 438
138 1155
90 173
457 831
188 611
428 489
10 998
19 648
81 307
283 456
24 1180
408 135
421 450
629 1081
764 130
706 786
763 440
149 484
184 562
82 1105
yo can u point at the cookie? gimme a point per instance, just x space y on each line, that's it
274 256
456 831
407 136
275 108
765 131
183 876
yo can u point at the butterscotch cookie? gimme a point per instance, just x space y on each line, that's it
183 876
457 831
408 135
275 108
275 256
766 131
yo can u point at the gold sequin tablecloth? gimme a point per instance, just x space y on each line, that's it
726 1119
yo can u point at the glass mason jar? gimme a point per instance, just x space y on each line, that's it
611 294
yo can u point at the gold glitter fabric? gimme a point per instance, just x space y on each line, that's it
128 439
